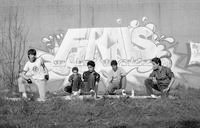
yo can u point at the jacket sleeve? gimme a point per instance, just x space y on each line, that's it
84 76
70 79
169 73
152 74
97 77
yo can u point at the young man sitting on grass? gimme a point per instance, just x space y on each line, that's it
34 72
91 79
75 83
116 79
161 79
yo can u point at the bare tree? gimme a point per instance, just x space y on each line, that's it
13 39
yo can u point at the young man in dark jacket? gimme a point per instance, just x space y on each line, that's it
75 82
91 79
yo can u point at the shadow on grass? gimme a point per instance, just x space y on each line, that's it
120 126
186 124
9 126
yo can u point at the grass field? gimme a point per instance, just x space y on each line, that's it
182 112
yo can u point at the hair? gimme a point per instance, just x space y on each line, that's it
74 68
156 60
113 62
91 63
32 52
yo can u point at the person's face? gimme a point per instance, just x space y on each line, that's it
155 66
75 72
90 68
32 58
114 67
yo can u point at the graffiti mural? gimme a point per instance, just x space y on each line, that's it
53 42
133 47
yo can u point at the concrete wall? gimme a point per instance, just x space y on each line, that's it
179 19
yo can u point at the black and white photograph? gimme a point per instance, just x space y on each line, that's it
99 63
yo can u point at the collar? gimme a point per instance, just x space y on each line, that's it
116 70
160 68
92 71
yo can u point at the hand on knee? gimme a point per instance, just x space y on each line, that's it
148 82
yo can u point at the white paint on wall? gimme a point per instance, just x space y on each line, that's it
133 47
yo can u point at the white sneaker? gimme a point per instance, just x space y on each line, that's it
79 91
123 93
154 96
24 95
40 100
75 93
92 93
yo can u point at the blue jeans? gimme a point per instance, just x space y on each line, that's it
150 85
